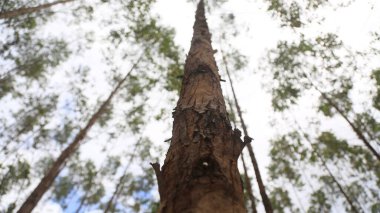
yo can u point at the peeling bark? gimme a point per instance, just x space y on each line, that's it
200 171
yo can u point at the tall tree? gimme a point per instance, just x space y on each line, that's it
200 172
264 196
53 172
333 85
28 10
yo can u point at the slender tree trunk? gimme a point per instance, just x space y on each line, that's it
28 10
248 186
200 172
353 126
120 184
324 164
264 196
357 131
348 199
54 170
81 203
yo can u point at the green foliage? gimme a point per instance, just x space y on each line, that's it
333 149
330 147
13 175
65 133
319 203
368 125
376 98
290 14
62 188
310 64
285 152
52 105
6 85
281 201
294 13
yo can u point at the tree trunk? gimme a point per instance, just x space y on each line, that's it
28 10
200 172
267 203
81 203
357 131
120 184
249 186
53 172
324 164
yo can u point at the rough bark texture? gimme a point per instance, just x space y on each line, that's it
29 10
54 170
200 172
266 201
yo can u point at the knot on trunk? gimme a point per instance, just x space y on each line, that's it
206 167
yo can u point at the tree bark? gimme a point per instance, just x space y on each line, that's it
53 172
200 172
28 10
266 201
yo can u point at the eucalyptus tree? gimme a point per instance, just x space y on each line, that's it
7 13
201 164
74 100
26 62
53 172
307 162
131 186
83 180
299 13
329 74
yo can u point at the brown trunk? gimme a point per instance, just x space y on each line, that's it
53 172
200 172
267 203
29 10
